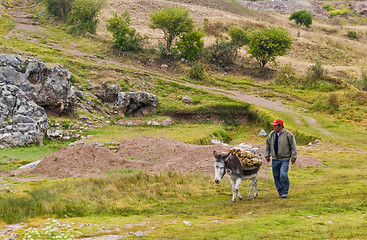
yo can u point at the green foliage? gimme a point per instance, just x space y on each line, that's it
59 8
84 16
191 44
221 53
267 44
342 11
316 71
124 36
239 38
173 21
328 6
352 34
197 72
302 17
333 101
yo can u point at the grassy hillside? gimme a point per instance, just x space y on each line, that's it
323 201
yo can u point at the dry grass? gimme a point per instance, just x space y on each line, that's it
325 41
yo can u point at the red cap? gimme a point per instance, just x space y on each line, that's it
277 121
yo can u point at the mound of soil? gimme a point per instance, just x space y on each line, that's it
149 154
78 161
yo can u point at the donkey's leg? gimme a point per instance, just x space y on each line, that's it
238 182
233 189
255 185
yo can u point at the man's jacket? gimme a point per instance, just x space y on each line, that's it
287 148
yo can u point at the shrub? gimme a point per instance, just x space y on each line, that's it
333 101
191 44
328 6
124 36
83 16
239 38
221 53
266 44
197 72
352 34
343 11
173 21
59 8
316 71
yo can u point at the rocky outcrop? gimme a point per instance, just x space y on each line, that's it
108 93
48 87
137 104
21 120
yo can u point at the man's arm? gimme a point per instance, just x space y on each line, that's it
293 147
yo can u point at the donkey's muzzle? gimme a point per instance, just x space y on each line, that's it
216 181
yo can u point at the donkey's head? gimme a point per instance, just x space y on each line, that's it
219 166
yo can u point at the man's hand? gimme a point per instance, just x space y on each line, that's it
293 160
267 159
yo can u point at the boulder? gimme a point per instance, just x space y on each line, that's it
137 104
48 87
187 100
108 93
21 120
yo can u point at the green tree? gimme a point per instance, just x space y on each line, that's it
84 16
266 44
302 18
124 36
239 38
191 44
173 21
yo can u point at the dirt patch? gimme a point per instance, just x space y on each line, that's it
153 155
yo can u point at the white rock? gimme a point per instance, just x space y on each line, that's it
187 222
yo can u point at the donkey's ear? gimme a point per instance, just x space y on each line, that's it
216 155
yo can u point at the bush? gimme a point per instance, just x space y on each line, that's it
266 44
83 16
197 72
59 8
328 6
124 36
191 44
239 38
221 53
343 11
333 101
352 34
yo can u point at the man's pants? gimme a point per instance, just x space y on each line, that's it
280 174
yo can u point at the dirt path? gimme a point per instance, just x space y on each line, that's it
25 27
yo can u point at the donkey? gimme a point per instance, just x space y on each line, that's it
233 166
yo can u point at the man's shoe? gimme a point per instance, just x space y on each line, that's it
284 196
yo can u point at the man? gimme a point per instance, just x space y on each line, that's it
281 146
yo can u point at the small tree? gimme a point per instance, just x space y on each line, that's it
191 44
238 38
173 21
301 17
266 44
83 16
124 36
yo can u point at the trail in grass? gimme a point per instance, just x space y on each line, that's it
27 27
